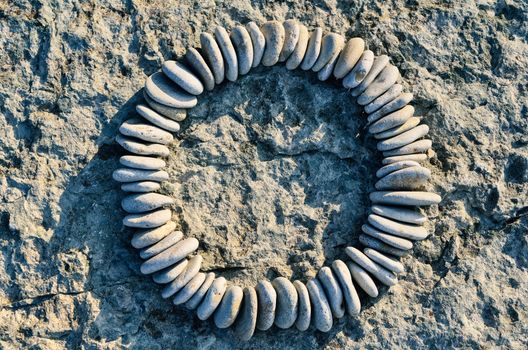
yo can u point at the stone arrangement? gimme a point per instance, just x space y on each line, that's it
394 221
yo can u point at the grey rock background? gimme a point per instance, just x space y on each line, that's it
271 173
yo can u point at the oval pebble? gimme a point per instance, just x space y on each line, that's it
183 77
371 242
259 42
411 198
200 293
349 57
403 139
363 279
190 288
360 70
142 186
148 220
160 246
352 303
170 273
389 168
227 312
383 275
332 291
228 53
191 270
274 33
411 148
197 63
169 256
388 96
297 55
292 31
378 65
152 149
399 102
267 303
287 302
408 231
331 45
134 175
244 48
142 202
140 162
162 90
305 309
247 319
177 114
419 158
327 70
213 56
408 125
137 128
145 238
157 119
392 120
322 314
313 50
388 263
410 178
383 82
396 242
212 299
401 214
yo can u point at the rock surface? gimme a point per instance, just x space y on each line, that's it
255 170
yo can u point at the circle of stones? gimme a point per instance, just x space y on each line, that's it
392 224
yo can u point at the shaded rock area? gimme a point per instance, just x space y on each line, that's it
271 173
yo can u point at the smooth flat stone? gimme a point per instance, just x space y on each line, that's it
247 319
274 33
383 275
392 120
191 270
349 57
227 312
170 273
389 168
134 175
399 102
363 279
304 314
167 242
287 303
378 65
145 238
137 128
342 274
371 242
412 148
383 82
419 158
331 45
267 303
411 198
162 90
396 242
169 256
388 263
244 48
212 299
408 231
197 298
322 314
327 70
183 77
157 119
140 148
213 56
142 202
403 139
332 291
177 114
360 70
388 96
401 214
259 42
408 125
297 55
313 50
410 178
190 288
139 162
142 186
228 53
291 37
197 63
148 220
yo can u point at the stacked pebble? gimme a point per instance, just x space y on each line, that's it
391 228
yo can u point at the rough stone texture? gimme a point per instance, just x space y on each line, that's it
273 176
